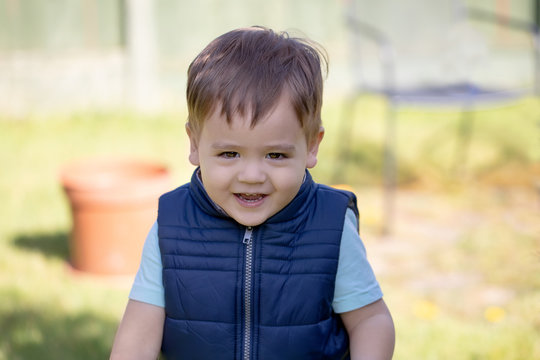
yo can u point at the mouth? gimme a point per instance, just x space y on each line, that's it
250 199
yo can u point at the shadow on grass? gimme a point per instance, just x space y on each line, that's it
54 244
36 333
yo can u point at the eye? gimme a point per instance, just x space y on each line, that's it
276 156
228 154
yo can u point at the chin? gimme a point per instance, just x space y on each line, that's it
250 222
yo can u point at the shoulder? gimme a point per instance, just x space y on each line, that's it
332 190
345 198
171 203
172 197
326 190
179 191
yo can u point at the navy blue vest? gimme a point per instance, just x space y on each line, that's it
266 292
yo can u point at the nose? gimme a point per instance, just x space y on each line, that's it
252 172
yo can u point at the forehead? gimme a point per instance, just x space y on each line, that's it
280 125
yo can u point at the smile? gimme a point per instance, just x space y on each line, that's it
250 199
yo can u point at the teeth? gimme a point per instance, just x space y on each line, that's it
251 197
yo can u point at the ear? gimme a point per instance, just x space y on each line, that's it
313 149
193 146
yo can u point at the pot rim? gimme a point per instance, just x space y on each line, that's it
111 173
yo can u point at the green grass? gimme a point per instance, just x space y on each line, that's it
429 146
49 312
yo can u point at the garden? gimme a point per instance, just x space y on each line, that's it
460 269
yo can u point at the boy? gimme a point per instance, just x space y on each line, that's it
252 259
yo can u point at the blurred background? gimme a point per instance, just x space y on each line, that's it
432 117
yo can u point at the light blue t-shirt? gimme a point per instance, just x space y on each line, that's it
356 285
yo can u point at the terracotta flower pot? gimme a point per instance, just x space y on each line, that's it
113 204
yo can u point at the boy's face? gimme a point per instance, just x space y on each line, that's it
253 173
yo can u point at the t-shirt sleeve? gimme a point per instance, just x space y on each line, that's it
148 286
356 285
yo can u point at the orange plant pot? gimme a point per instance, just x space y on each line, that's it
113 204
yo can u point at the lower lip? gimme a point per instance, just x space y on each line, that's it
250 203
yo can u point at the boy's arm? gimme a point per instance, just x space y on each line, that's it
371 332
140 332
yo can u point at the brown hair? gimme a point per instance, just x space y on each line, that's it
246 70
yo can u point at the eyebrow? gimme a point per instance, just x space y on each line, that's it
276 147
220 145
282 147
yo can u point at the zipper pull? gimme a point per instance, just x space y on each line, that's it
247 235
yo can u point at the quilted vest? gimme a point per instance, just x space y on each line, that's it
264 292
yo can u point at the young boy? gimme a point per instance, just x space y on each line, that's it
252 259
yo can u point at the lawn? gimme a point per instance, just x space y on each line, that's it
461 271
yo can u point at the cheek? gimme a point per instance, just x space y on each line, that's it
289 181
214 177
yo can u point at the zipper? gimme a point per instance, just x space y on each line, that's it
248 275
